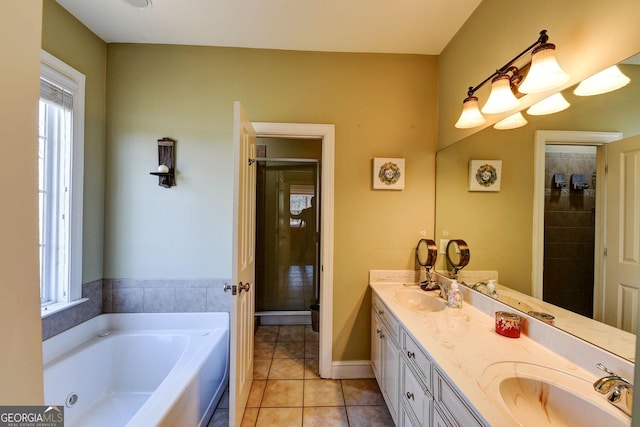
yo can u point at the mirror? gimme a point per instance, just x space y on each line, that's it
457 256
499 224
426 256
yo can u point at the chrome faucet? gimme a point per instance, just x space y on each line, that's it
478 284
431 285
619 391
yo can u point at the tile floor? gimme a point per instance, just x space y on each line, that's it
287 390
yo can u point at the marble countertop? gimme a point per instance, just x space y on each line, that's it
463 342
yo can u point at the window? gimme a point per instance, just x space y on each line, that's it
60 182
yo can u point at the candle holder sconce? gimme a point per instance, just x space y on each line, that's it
166 161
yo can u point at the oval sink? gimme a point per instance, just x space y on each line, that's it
537 395
420 300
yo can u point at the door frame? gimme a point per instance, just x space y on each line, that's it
325 132
561 137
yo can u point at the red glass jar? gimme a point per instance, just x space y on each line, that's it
508 324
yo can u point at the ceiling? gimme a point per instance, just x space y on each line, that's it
380 26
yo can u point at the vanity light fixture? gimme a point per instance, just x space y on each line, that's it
544 74
553 104
514 121
605 81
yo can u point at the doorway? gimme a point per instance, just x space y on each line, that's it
287 241
543 181
569 226
325 133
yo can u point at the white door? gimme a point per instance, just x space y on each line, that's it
622 281
243 269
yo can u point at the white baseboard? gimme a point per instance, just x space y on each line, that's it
351 369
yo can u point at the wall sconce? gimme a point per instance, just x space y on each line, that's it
553 104
166 162
544 74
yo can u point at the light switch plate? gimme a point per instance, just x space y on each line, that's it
443 245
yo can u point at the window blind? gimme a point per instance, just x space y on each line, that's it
55 95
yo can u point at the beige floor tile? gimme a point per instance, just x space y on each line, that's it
362 392
261 368
263 350
279 417
256 393
283 393
309 335
323 393
325 416
311 369
369 416
287 369
291 333
250 417
266 334
289 350
311 350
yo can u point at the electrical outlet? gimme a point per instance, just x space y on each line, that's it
443 245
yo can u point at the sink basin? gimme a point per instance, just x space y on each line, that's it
536 395
417 299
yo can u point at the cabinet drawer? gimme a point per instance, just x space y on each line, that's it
417 359
451 403
414 397
386 316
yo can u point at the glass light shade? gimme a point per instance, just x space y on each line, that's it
605 81
545 72
553 104
501 98
471 116
514 121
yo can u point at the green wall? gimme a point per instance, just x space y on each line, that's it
381 105
66 38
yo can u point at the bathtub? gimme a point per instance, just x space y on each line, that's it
139 369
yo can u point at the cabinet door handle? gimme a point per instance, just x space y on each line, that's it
410 396
381 335
380 312
411 355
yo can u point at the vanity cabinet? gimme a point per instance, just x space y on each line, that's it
452 408
385 354
415 384
416 392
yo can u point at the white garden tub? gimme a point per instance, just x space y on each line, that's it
139 369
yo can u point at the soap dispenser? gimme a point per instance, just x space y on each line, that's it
454 296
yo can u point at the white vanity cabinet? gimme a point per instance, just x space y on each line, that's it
415 390
385 356
450 406
415 384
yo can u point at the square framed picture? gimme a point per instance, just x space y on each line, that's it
485 175
388 173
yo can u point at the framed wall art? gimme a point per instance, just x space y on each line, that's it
388 173
485 175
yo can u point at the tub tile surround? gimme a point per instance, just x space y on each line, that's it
140 296
72 316
451 334
165 295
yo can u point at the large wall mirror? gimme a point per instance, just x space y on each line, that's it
499 226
